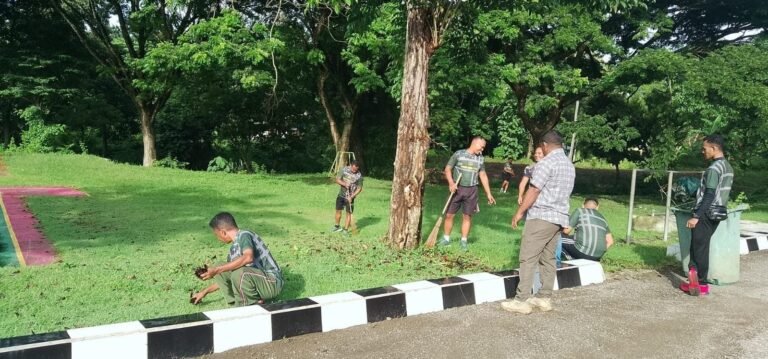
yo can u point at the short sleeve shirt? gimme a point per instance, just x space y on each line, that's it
507 167
528 171
354 179
591 229
262 258
555 176
469 165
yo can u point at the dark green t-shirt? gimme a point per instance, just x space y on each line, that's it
355 181
262 258
591 229
468 165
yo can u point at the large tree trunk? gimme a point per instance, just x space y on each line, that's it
147 117
412 135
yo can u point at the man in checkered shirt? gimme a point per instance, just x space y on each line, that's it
547 202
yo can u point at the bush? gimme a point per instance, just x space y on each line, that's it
39 137
219 164
170 162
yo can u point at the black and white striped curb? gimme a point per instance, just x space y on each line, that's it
751 242
220 330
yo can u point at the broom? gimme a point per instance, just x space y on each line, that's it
432 239
352 224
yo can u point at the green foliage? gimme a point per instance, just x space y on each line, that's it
39 137
170 162
242 82
513 139
221 42
219 164
740 199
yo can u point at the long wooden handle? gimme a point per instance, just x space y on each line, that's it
451 196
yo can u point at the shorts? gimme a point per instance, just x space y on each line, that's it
506 176
466 198
341 203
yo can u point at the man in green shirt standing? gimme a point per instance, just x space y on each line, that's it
250 275
470 163
710 209
350 182
592 236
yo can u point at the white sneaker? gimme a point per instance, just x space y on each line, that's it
517 306
544 304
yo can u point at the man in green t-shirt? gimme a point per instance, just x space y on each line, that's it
470 164
592 236
506 176
711 198
250 275
350 182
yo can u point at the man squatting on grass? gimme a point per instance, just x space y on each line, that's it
710 209
351 181
250 275
470 164
592 238
547 202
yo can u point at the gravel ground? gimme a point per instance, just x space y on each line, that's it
632 315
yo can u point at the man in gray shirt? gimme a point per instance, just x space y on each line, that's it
547 202
471 165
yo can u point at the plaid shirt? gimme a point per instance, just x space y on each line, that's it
554 176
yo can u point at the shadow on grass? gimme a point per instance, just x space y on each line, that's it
367 221
318 180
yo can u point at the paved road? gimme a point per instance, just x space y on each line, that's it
632 315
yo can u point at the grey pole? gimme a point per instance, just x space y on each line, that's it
631 205
669 205
573 138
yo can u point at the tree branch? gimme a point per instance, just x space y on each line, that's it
124 28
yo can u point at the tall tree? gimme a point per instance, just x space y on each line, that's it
42 66
120 34
427 22
697 26
321 31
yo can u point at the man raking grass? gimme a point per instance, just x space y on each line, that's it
350 181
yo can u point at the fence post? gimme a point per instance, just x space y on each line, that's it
573 138
631 205
669 204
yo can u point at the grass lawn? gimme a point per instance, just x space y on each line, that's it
127 251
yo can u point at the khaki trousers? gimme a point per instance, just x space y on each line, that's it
538 248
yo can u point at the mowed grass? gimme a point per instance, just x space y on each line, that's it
127 251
